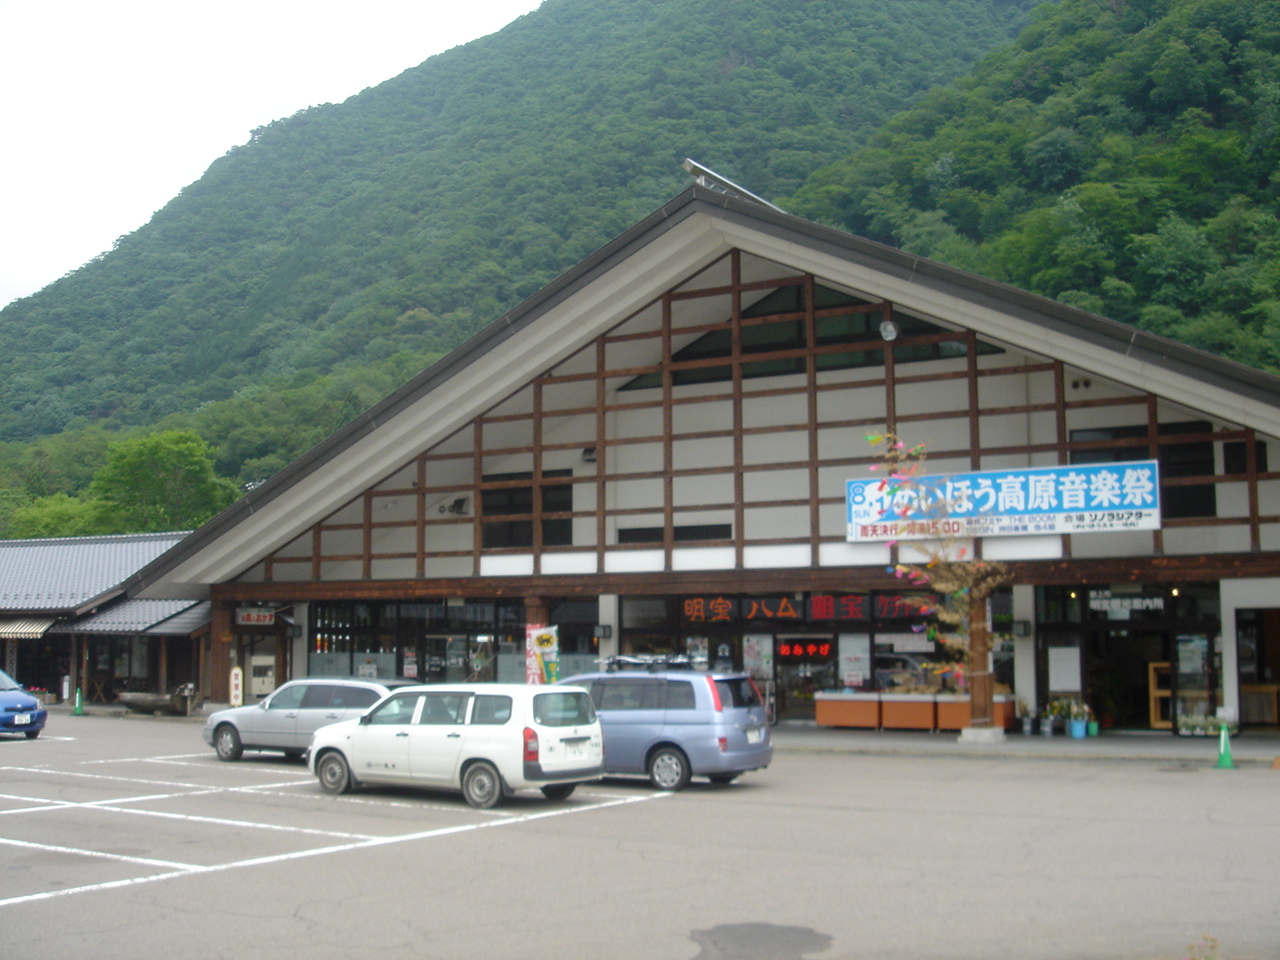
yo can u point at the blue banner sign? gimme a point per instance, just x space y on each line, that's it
1024 501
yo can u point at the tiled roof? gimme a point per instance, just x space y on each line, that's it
132 616
65 575
186 622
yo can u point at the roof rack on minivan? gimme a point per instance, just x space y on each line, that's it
653 662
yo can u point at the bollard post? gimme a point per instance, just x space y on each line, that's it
79 710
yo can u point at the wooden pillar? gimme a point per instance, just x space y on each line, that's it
222 636
981 682
536 611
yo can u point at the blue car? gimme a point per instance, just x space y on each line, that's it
672 725
20 712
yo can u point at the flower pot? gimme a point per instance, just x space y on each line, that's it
1079 728
1028 726
1046 726
1093 728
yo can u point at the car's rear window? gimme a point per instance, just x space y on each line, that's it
738 692
567 709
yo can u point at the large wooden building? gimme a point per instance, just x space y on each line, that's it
652 453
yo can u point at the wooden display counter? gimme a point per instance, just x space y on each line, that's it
847 710
904 711
907 711
953 711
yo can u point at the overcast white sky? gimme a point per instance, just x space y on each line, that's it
109 109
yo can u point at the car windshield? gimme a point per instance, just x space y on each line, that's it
8 683
566 709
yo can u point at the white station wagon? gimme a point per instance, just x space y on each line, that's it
485 739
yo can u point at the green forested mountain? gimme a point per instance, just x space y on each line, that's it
1121 155
408 215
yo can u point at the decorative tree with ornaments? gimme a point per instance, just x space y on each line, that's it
961 582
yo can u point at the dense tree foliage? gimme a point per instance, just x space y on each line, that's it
161 481
1121 155
406 216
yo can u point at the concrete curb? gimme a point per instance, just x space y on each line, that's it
1248 749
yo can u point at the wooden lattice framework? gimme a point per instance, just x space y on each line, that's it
583 390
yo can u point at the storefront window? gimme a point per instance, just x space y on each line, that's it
1141 656
432 641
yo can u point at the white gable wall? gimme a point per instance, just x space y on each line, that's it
561 333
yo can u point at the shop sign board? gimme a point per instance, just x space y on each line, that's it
804 649
841 606
542 654
721 609
255 617
1024 501
817 608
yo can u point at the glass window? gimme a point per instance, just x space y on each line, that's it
631 695
290 698
784 330
399 709
318 696
444 708
1235 456
491 709
680 534
353 698
738 693
518 501
644 613
1194 459
680 695
568 709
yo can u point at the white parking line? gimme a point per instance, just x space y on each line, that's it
158 783
114 807
194 790
48 848
172 756
106 776
188 870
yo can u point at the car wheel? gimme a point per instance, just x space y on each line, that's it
482 785
558 791
31 734
333 773
722 778
669 769
226 740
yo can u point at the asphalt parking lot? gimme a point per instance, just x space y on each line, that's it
147 817
126 838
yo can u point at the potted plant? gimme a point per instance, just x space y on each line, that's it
1025 715
1049 717
1078 717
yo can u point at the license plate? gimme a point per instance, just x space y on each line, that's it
755 734
574 748
21 719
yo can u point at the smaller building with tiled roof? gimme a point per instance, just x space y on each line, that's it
63 614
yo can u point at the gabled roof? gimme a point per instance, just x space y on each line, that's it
68 576
690 232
